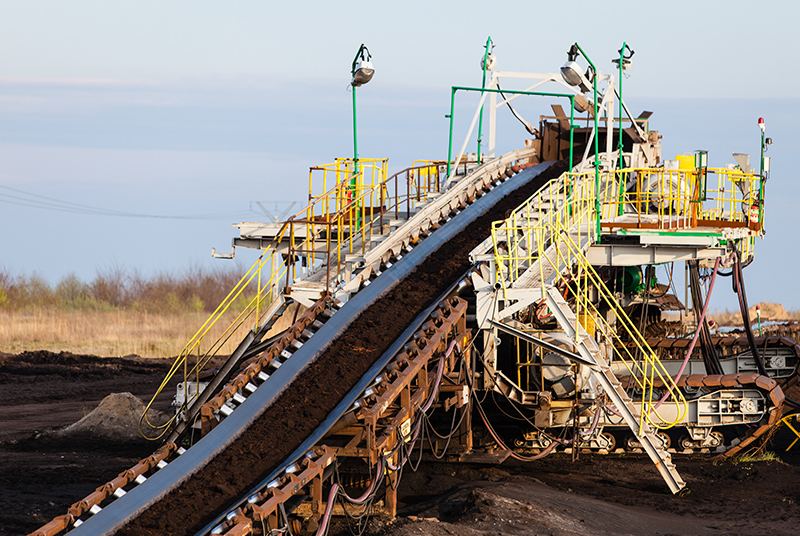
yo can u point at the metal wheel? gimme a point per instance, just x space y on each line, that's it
607 437
632 442
686 443
666 441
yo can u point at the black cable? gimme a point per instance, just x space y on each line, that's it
738 288
710 356
528 127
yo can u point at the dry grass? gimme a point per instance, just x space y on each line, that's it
107 333
117 313
193 290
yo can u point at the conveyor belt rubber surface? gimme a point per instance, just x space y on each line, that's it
244 448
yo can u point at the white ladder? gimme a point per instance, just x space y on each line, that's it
590 351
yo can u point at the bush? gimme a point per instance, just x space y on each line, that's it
194 290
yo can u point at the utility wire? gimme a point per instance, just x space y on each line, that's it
28 199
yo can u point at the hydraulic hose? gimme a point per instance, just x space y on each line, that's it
738 288
710 357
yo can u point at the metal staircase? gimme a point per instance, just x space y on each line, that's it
590 351
541 247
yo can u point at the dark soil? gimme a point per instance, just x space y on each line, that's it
41 390
41 477
597 494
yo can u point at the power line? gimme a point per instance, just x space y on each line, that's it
33 200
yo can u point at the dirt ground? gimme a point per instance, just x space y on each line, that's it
42 474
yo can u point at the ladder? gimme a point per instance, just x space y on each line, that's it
541 246
590 351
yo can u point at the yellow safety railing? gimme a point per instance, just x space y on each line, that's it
194 357
427 178
514 236
658 198
588 294
552 227
344 216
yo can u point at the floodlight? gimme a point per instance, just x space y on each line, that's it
571 72
362 70
363 74
490 63
573 75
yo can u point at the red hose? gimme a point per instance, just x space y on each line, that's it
696 335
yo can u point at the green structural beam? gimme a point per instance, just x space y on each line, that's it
482 90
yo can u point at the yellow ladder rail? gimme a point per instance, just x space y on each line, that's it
569 216
346 209
644 371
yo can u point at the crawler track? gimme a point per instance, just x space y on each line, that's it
203 490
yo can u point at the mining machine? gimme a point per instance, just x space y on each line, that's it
473 309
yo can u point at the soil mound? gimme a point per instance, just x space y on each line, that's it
773 312
523 505
116 419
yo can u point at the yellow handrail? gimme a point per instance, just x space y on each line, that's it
681 198
579 281
349 207
551 228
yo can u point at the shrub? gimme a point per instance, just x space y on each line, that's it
194 290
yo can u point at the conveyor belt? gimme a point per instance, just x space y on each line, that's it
159 506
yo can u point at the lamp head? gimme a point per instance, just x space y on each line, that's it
362 70
363 73
572 75
490 63
581 104
627 63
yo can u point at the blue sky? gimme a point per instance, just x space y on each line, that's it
200 108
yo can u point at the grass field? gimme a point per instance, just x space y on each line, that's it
106 333
117 313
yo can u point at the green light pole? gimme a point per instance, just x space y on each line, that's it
484 67
624 63
361 72
596 141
